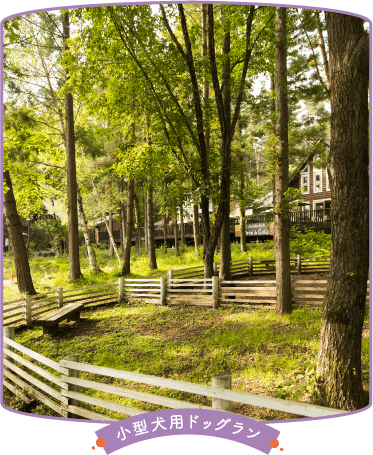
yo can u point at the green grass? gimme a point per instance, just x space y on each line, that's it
266 354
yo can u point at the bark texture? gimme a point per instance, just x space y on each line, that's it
176 234
84 225
126 269
225 243
138 233
322 47
72 207
242 210
182 230
281 216
165 226
339 382
13 224
123 224
150 220
196 228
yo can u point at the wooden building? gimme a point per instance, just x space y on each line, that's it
314 184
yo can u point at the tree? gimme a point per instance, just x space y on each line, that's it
126 269
13 223
84 224
140 41
339 377
34 75
72 202
281 182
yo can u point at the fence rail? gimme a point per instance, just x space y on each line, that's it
251 266
160 291
69 394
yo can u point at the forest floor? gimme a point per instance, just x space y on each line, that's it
266 354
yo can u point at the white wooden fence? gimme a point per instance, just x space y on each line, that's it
63 386
160 291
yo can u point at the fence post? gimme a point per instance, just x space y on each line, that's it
225 382
250 266
215 268
163 290
299 264
59 295
170 274
121 289
66 372
9 332
28 318
215 291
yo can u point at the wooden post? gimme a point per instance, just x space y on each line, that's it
170 278
9 332
299 264
28 318
250 266
163 290
59 295
66 372
215 291
215 269
225 382
121 289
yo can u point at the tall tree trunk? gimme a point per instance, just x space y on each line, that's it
111 247
322 47
123 217
225 246
339 376
146 233
165 227
123 225
206 83
28 234
150 211
242 209
176 234
13 224
126 269
111 239
138 221
150 219
182 230
281 215
196 228
84 225
258 161
72 207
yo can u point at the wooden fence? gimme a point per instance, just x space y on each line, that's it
251 266
160 291
23 311
74 389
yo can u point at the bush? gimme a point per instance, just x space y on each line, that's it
310 243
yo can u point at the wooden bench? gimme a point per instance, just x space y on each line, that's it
50 322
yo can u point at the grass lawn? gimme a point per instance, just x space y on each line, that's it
265 354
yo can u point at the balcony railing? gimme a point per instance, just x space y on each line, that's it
308 219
